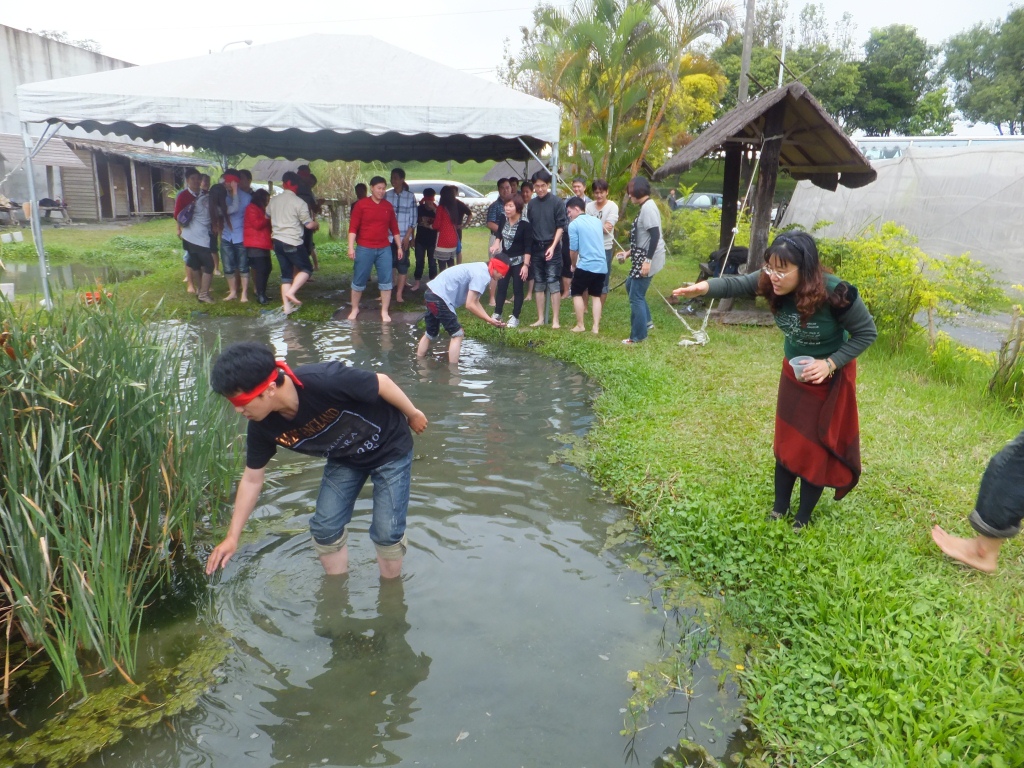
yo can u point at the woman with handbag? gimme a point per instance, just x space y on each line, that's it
647 256
513 241
817 430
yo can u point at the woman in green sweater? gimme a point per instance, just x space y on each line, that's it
817 434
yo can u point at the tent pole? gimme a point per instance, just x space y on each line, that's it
554 165
37 229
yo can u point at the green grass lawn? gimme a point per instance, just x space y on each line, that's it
866 647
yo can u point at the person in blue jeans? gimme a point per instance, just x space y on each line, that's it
359 420
647 256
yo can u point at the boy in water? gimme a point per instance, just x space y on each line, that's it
456 286
359 420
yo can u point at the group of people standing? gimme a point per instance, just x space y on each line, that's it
238 227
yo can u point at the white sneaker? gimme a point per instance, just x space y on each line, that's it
513 322
496 316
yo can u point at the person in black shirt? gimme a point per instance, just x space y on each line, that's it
426 237
356 419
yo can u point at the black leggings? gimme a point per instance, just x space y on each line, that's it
260 266
809 494
421 250
514 277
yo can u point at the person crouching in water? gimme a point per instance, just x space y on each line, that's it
358 419
997 512
456 286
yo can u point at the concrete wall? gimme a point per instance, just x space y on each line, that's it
28 58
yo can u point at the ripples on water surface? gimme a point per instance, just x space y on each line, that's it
507 640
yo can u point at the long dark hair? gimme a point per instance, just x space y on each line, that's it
810 295
449 202
219 209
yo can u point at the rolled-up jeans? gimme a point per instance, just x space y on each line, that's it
368 259
639 312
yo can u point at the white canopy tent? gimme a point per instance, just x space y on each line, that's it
328 97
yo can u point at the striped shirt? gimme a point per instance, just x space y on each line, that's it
404 204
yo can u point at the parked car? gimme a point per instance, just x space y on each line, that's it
477 203
700 201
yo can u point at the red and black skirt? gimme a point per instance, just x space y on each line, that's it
817 431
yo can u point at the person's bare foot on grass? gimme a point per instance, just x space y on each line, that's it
243 299
594 330
191 289
537 324
981 552
578 329
555 326
230 297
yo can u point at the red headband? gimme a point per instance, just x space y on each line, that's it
231 177
243 399
499 266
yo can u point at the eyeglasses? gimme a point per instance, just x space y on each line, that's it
776 273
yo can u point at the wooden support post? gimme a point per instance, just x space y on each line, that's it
730 193
135 189
764 195
113 190
99 192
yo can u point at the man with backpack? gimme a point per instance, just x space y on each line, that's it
185 198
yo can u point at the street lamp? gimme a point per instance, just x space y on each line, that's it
235 42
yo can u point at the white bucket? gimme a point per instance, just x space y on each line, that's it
7 290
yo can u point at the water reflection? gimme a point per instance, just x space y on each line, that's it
369 675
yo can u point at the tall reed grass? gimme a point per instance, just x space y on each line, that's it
106 465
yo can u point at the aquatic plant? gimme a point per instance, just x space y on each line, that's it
105 467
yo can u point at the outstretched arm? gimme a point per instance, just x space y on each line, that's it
473 305
248 494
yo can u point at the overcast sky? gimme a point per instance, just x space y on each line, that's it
466 34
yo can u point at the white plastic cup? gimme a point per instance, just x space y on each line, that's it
799 364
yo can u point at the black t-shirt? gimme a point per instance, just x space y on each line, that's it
341 416
425 218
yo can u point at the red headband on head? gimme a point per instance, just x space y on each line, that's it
231 177
243 399
499 266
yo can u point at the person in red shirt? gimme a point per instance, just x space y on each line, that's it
185 198
446 223
257 242
372 219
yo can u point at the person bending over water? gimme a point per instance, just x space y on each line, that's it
358 419
997 512
817 432
460 285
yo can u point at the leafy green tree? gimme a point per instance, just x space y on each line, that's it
895 75
986 67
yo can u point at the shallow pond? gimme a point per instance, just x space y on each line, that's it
508 640
63 277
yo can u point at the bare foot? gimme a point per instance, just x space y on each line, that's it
538 324
594 330
578 329
230 297
972 552
191 289
244 299
414 287
293 300
555 326
287 308
353 314
399 299
385 318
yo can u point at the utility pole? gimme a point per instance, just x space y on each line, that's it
748 45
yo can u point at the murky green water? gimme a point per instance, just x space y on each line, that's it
509 638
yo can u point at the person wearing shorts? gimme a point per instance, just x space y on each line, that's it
373 220
460 285
404 203
586 249
548 221
359 420
289 219
608 212
195 236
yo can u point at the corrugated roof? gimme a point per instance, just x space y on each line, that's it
136 152
55 152
814 147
